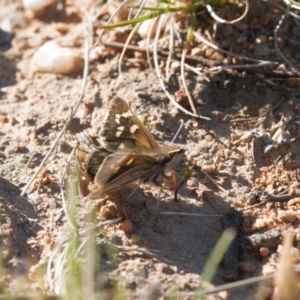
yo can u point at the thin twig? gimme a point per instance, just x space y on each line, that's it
141 7
215 182
273 198
193 59
109 20
145 252
175 213
179 129
230 286
74 110
246 67
283 8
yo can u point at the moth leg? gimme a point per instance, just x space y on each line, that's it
158 197
168 179
177 189
133 190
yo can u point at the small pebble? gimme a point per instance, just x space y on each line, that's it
192 183
209 169
223 295
261 50
226 30
261 39
127 226
107 212
262 223
294 201
247 267
287 216
263 251
209 138
51 58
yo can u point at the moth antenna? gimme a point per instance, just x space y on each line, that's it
180 127
158 197
138 184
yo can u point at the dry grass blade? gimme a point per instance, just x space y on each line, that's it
184 82
215 183
152 26
62 190
171 47
222 21
160 79
286 279
133 31
145 252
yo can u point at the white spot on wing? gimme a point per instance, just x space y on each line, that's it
122 146
133 128
127 114
120 130
124 115
117 118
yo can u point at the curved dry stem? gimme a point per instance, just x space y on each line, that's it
184 82
179 129
160 79
143 2
197 71
280 53
220 20
148 45
133 31
171 46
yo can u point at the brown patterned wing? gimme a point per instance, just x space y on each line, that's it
123 130
121 168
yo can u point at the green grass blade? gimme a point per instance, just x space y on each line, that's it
215 259
133 21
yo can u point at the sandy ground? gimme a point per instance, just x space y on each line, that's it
33 110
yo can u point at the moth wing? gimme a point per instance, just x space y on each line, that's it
121 168
123 130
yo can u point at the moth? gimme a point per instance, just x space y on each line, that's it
130 153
